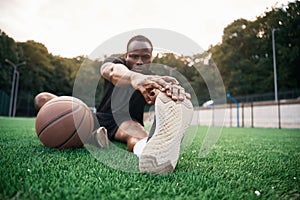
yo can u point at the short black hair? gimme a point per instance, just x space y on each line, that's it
139 38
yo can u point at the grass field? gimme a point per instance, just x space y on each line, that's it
245 164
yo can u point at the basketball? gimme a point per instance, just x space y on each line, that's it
64 122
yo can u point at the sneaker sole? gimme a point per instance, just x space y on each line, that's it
160 155
102 138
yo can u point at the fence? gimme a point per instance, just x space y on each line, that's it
4 103
268 114
24 104
290 94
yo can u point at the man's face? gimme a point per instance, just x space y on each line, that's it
138 56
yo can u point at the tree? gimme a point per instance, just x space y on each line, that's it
245 55
9 51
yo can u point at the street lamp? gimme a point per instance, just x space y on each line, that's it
14 88
237 108
274 63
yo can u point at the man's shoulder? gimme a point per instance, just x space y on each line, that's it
116 60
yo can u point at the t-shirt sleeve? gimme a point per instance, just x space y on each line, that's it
121 60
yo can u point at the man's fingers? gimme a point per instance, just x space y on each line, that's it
188 95
146 96
177 92
174 91
152 85
165 84
159 82
181 94
170 79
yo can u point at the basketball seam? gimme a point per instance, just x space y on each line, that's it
50 123
77 101
74 133
67 140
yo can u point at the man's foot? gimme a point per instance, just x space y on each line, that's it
100 138
161 152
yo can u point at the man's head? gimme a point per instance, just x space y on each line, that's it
139 52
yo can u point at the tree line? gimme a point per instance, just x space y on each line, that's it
244 59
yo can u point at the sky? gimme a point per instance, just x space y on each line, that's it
70 28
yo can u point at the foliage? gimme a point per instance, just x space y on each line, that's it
43 72
8 49
244 60
245 56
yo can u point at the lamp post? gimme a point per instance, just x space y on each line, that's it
274 64
14 88
237 108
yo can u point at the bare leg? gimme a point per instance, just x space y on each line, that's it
130 132
41 99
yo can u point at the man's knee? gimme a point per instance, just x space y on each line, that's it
131 142
41 99
127 138
130 132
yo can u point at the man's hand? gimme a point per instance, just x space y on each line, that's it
176 92
147 84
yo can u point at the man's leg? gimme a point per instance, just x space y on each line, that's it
130 132
42 98
161 152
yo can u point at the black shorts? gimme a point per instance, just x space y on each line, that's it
108 121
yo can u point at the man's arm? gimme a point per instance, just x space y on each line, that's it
120 75
117 74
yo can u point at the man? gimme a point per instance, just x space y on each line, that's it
129 86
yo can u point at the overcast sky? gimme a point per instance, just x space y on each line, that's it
70 28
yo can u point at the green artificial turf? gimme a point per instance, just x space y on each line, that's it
244 164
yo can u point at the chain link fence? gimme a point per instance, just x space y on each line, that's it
4 103
252 110
263 114
24 105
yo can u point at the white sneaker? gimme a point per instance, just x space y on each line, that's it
160 155
102 138
139 146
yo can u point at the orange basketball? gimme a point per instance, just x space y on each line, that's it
64 122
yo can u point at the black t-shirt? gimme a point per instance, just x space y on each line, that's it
120 103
